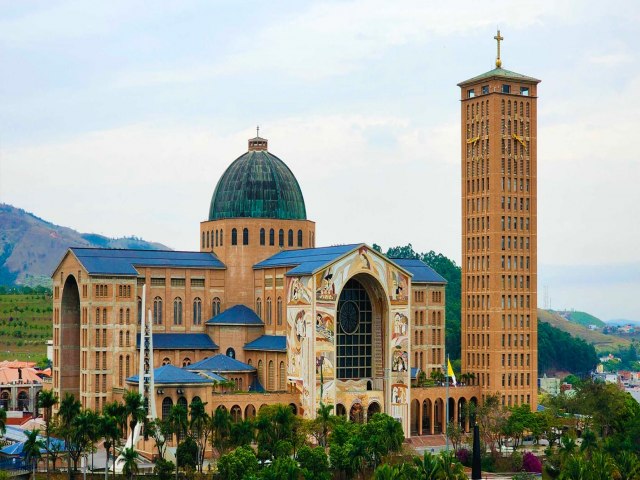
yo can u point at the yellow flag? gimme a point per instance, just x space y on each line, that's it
451 374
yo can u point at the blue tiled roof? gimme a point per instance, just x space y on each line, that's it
220 363
168 374
171 341
270 343
236 315
306 260
422 273
215 376
108 261
414 372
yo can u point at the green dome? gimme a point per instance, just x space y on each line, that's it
258 185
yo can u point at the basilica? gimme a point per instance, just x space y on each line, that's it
260 315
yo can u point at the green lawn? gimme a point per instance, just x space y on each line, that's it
25 326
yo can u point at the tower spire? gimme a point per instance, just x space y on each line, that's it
498 39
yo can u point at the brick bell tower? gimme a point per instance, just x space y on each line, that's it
499 233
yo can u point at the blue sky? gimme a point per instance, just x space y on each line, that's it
119 118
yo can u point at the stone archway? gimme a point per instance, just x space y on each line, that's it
340 410
438 421
70 339
374 407
415 417
462 413
427 420
356 414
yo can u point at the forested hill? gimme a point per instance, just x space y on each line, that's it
31 247
557 350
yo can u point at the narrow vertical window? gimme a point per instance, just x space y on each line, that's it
299 238
245 236
262 236
290 237
234 237
272 237
177 311
197 311
281 238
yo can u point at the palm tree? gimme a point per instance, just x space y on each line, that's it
32 448
428 466
575 468
324 417
69 410
388 472
47 399
110 431
602 465
130 466
221 428
179 425
568 445
242 433
450 467
628 466
134 409
200 428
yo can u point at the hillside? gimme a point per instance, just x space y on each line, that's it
30 248
25 326
581 318
598 339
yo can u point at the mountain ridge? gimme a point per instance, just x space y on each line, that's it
31 247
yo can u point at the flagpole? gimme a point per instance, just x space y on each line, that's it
446 423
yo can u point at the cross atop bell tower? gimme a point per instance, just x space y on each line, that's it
498 39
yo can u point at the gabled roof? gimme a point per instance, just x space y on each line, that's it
184 341
220 363
306 260
110 261
170 374
236 315
268 343
500 73
422 273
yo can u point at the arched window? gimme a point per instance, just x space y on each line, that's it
128 339
217 242
166 361
121 371
203 240
215 310
121 316
97 316
262 239
282 378
157 311
271 374
290 237
120 338
279 311
234 237
186 362
221 237
208 240
127 367
272 239
281 238
104 316
177 311
245 236
127 317
260 373
299 238
231 353
197 311
268 312
23 401
259 307
167 405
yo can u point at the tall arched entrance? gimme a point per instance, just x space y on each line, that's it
360 326
70 339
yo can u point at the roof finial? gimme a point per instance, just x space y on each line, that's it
257 130
498 38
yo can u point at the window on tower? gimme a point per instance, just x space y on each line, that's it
524 91
506 88
485 89
471 93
